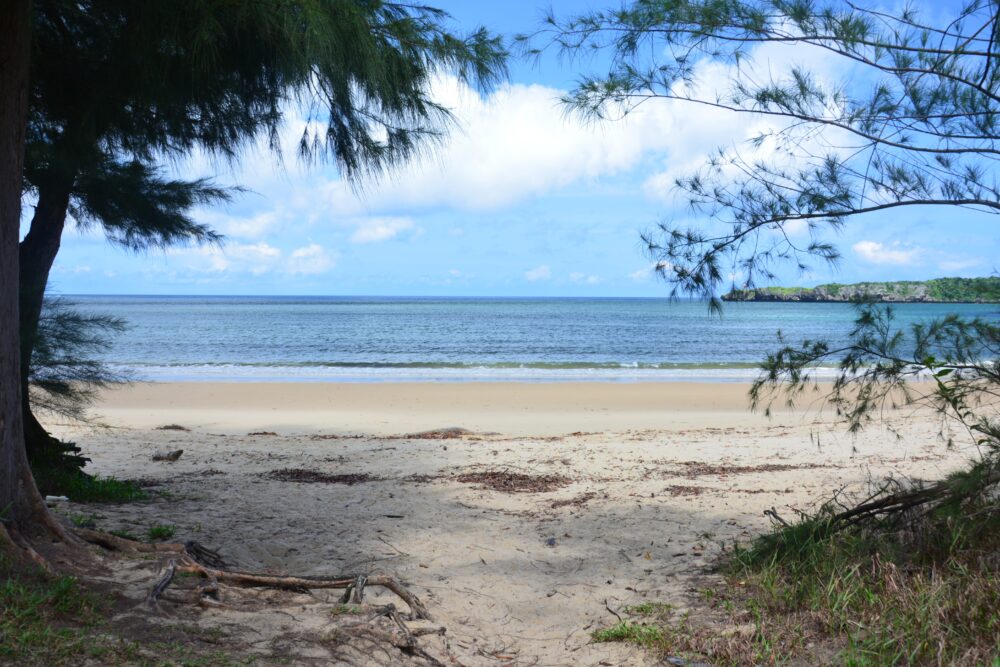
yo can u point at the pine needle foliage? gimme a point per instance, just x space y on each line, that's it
158 78
951 364
67 370
913 122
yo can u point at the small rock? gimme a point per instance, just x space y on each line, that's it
551 542
167 456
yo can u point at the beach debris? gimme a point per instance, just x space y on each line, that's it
420 478
172 427
684 490
703 469
576 501
449 433
303 476
675 661
514 482
52 500
253 433
171 456
550 542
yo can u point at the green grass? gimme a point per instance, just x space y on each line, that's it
44 620
83 520
161 532
921 592
650 609
56 622
82 488
926 595
633 633
342 609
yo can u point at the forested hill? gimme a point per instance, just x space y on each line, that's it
939 290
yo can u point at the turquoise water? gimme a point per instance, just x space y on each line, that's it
486 339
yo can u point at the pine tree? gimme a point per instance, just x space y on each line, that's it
118 86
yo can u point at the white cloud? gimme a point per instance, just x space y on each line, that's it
642 275
879 253
252 258
583 278
542 272
700 129
515 144
375 230
259 257
253 227
309 260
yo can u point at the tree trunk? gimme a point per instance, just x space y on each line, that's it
24 515
37 254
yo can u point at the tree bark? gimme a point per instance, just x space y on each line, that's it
21 508
14 67
37 254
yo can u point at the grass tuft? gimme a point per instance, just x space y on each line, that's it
161 532
650 609
83 520
342 609
633 633
82 488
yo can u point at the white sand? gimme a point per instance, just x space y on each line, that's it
507 574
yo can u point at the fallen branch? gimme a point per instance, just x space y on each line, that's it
193 558
900 502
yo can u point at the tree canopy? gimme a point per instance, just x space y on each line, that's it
119 88
154 79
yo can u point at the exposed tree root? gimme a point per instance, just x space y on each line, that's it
405 640
54 552
193 558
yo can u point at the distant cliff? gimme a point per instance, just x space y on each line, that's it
939 290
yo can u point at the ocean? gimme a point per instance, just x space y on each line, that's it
370 339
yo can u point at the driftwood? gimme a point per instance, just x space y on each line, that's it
193 558
170 456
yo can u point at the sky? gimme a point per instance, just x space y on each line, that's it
523 200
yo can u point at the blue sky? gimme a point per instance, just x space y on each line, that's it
522 201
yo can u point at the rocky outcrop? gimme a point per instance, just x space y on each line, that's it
940 290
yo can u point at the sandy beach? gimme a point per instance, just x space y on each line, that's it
637 486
